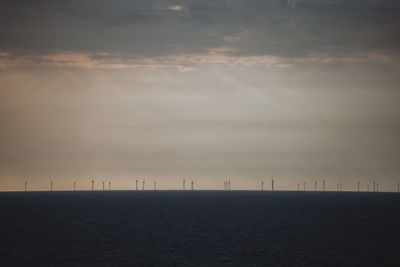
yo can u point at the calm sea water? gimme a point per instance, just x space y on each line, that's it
199 228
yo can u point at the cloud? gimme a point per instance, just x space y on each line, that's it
175 8
223 56
292 3
162 6
152 28
243 35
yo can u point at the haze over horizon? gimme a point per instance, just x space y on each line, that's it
298 90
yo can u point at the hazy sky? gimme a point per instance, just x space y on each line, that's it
119 90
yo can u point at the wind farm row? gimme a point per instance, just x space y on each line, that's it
141 185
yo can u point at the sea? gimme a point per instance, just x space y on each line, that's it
199 228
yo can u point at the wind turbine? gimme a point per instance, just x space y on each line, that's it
358 186
323 185
272 184
137 182
374 185
92 184
262 185
74 185
143 183
109 186
26 184
103 185
51 185
377 187
315 186
184 184
298 186
304 186
155 185
229 184
192 185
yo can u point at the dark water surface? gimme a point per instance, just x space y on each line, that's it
199 228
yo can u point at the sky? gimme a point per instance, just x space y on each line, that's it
291 90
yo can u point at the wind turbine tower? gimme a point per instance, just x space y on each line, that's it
373 183
272 184
262 185
358 186
103 185
192 185
143 183
137 183
92 184
323 185
155 183
184 184
315 186
74 185
51 185
304 185
109 186
26 184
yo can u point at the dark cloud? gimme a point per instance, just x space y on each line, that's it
152 28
